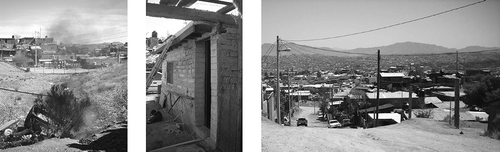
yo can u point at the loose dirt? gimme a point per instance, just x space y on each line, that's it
417 134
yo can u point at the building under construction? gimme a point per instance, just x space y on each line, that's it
202 71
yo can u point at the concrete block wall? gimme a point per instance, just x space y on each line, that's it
183 84
226 73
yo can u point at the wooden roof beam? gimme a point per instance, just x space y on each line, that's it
186 3
157 10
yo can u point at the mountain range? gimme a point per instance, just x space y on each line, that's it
402 48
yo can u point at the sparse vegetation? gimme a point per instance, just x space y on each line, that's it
447 118
21 60
495 134
478 119
424 113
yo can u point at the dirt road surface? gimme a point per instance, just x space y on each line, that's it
308 113
418 134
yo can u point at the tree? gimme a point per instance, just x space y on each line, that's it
484 91
21 60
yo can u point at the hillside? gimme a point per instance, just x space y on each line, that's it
107 90
301 50
397 48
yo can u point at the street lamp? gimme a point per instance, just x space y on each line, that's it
278 76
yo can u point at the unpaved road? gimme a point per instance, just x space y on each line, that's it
418 134
308 113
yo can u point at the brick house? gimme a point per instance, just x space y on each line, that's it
202 82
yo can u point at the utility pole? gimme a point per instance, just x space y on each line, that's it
290 105
410 101
278 78
457 95
410 94
378 88
457 106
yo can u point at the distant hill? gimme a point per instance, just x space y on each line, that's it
302 49
397 48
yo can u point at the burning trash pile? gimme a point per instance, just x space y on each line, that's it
32 130
57 114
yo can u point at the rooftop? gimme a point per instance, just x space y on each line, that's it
392 74
391 95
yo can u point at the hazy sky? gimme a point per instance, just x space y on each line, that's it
475 25
76 21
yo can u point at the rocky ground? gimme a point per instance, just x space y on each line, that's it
417 134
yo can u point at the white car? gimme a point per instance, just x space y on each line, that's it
334 124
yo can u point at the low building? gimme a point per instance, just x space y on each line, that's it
393 81
398 99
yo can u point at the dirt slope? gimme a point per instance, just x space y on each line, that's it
414 135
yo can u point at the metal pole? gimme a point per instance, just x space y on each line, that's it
378 88
278 79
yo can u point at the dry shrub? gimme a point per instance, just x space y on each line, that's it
447 118
424 113
495 134
62 109
478 119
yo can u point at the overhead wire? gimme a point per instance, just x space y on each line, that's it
389 26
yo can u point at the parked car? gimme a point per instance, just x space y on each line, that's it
334 124
302 121
346 122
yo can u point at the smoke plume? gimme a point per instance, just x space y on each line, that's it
71 27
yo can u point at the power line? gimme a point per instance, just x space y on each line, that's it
268 52
389 26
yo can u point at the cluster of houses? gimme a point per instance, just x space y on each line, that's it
432 91
47 53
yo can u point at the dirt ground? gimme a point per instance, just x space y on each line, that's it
48 145
164 133
417 134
